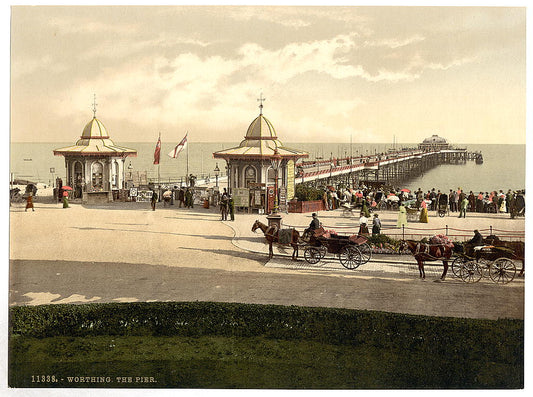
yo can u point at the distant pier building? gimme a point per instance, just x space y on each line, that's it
434 143
261 169
95 166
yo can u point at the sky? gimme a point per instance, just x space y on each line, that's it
329 74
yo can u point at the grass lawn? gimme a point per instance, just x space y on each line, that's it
237 362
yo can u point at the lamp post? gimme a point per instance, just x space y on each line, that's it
275 161
330 167
217 172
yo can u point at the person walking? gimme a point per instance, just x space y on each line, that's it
167 195
231 205
65 199
363 225
402 216
224 206
153 200
451 201
464 206
423 212
29 202
188 198
364 209
181 197
376 225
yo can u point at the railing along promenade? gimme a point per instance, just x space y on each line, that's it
413 233
326 168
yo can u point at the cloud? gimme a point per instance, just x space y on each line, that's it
87 25
28 66
283 15
394 42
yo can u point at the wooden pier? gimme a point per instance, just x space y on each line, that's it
385 168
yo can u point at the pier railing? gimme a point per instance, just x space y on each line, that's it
324 168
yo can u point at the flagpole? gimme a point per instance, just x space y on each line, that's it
158 165
187 174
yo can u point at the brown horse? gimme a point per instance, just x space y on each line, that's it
428 252
272 235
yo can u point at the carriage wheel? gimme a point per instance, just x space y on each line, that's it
312 255
350 257
470 272
382 206
457 264
394 206
484 266
442 213
323 251
366 252
502 270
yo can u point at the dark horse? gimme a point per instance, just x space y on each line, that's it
428 252
272 235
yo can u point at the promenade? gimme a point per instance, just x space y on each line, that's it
124 252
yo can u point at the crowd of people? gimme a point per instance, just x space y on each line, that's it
454 201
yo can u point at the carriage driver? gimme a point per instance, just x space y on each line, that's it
477 239
315 224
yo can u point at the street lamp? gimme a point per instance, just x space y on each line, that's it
275 161
217 172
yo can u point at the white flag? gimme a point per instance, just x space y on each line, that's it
174 153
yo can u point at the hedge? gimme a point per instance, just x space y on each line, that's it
499 339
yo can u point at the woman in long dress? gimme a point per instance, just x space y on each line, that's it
402 216
29 202
363 225
65 199
424 212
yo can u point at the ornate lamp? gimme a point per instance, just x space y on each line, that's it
275 161
217 173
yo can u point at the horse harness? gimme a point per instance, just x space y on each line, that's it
272 231
424 249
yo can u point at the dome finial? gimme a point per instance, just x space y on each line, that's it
261 99
94 106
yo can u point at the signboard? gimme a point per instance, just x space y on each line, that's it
257 198
270 198
137 177
290 179
282 198
241 197
144 195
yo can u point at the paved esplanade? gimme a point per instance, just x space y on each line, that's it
124 252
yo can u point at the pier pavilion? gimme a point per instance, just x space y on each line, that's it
261 169
95 166
434 142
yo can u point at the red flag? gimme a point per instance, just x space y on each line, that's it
157 151
179 147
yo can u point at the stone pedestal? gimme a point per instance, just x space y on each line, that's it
274 219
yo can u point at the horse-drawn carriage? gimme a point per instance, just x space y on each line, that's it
352 251
495 259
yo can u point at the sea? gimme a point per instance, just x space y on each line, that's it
504 166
